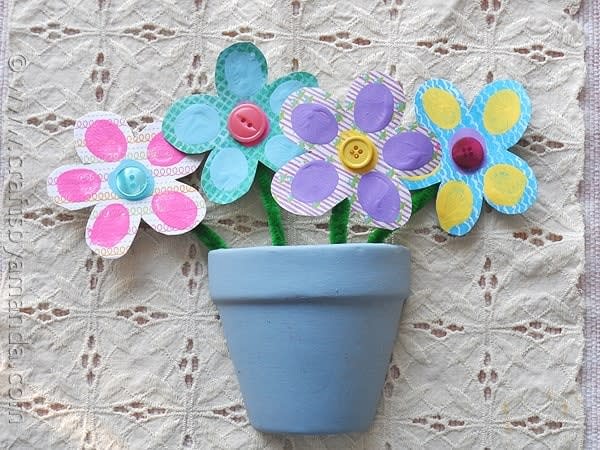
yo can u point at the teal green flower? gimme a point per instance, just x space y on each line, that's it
239 126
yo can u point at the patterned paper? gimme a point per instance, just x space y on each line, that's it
496 120
198 123
130 354
313 183
128 177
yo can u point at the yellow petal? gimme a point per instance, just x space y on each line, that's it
502 111
441 107
504 184
454 204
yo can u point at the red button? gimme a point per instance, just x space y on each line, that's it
468 153
248 124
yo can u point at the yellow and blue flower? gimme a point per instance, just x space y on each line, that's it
476 163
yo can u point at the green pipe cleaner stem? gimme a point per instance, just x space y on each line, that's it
209 237
264 176
338 222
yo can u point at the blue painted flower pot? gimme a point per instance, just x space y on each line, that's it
310 330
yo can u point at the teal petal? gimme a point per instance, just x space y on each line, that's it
229 172
195 124
285 86
271 98
278 151
241 71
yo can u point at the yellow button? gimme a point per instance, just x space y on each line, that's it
357 152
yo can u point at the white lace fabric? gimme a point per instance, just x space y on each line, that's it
129 354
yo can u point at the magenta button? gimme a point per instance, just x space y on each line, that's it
248 124
468 153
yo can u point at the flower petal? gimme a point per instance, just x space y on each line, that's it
278 151
111 229
502 111
76 187
314 182
311 116
310 186
229 172
278 91
197 123
458 205
408 150
102 136
241 71
416 155
378 102
164 159
175 208
441 108
383 201
510 186
314 123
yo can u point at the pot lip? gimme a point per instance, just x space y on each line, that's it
334 271
350 246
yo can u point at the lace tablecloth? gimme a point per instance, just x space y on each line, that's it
130 354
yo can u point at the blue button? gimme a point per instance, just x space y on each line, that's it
131 180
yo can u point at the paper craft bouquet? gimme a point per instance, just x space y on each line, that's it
310 328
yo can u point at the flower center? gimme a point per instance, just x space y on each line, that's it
248 124
357 151
468 151
131 180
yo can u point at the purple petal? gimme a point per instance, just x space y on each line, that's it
314 123
379 197
408 151
314 182
373 107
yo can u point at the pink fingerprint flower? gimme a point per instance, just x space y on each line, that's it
126 178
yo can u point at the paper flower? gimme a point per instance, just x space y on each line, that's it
475 162
131 177
356 151
240 125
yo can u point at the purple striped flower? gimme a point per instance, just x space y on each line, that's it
357 150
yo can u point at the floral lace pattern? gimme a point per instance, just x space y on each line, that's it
128 353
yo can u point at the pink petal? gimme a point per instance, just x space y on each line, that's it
78 185
111 226
106 141
175 209
161 153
